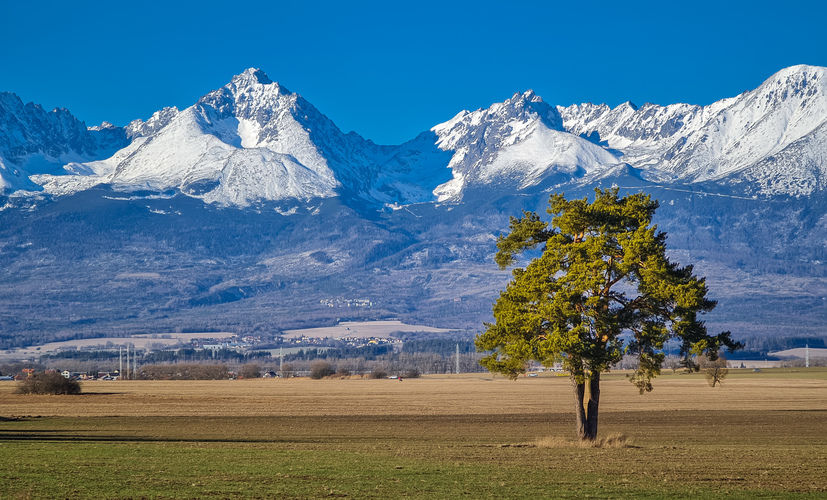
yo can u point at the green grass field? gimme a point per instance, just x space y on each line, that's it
761 435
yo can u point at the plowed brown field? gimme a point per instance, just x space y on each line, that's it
447 395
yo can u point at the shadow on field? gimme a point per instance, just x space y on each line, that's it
62 436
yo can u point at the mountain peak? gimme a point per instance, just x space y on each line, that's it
522 99
630 105
529 95
796 78
251 76
105 125
801 68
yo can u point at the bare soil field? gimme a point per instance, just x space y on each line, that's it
761 435
478 394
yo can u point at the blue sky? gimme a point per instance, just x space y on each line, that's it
389 70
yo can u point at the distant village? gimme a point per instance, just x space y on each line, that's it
346 302
125 351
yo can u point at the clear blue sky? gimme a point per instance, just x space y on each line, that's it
392 69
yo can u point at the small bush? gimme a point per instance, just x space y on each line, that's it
250 370
715 371
343 373
412 373
320 369
48 383
378 373
287 371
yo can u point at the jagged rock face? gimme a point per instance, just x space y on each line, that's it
108 137
520 142
746 131
254 140
35 141
478 136
767 141
158 120
643 135
28 129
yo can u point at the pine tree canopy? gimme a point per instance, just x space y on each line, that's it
602 287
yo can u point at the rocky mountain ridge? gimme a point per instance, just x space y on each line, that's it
34 141
253 140
739 141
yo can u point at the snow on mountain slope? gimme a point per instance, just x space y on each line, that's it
747 135
76 176
409 173
798 170
242 181
11 179
14 180
543 151
242 143
179 154
520 141
754 126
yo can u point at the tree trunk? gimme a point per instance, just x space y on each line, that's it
585 406
594 401
579 409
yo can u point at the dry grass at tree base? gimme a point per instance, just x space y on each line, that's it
759 435
613 440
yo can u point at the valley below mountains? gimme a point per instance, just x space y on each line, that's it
251 212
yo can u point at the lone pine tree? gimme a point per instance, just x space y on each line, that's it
602 287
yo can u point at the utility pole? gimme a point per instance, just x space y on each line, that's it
807 355
281 361
120 362
127 360
457 358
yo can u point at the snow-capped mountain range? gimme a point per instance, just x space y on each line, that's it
125 229
253 140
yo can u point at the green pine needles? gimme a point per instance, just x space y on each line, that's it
602 288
